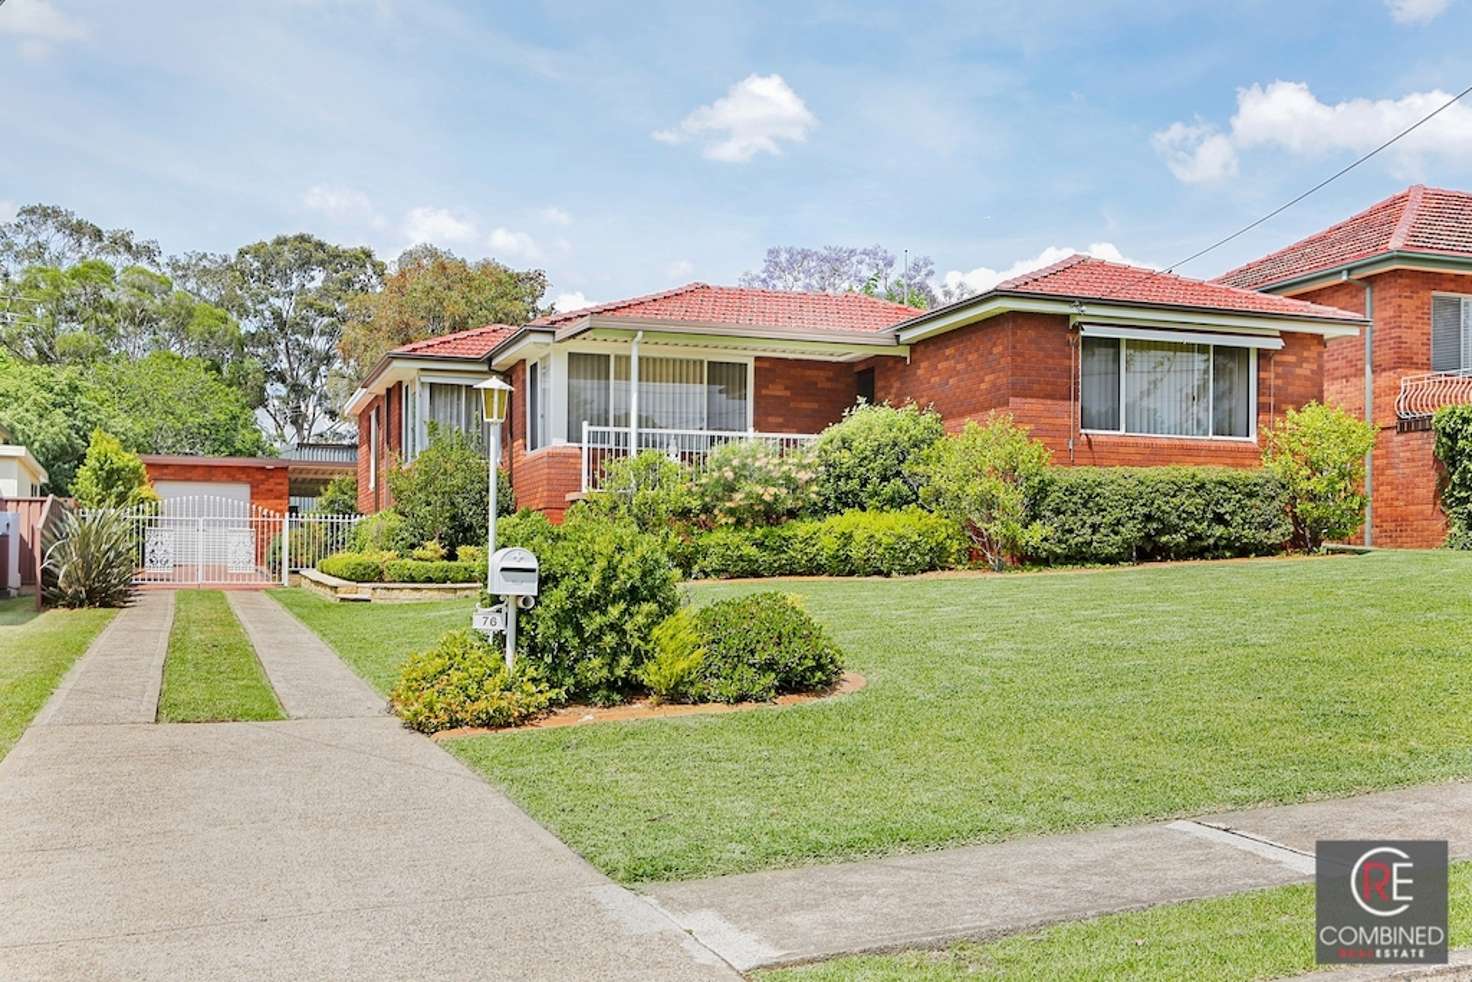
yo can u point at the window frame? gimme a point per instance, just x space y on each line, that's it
560 397
538 397
1211 346
1466 361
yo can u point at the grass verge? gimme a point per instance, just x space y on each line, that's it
1261 935
374 639
35 652
212 673
999 707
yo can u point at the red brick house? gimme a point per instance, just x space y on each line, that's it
1108 364
1405 264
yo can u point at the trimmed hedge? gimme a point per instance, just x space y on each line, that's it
855 543
1138 514
761 646
463 681
386 567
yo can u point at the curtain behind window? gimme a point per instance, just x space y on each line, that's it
1166 388
458 407
1099 398
1231 386
726 396
588 397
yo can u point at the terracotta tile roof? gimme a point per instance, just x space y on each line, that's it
701 303
474 343
1435 221
1086 278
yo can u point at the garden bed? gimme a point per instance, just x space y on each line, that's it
644 709
337 589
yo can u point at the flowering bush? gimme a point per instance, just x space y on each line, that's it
749 484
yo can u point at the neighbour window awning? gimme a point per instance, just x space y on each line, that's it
1270 342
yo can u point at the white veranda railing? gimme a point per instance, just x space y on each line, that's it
205 539
603 445
1422 395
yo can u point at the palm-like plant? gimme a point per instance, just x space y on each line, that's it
89 560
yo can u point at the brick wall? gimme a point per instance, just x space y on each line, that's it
801 396
390 409
269 484
1406 512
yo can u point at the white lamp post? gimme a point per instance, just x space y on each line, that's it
495 399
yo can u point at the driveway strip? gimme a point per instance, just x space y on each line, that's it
117 679
309 678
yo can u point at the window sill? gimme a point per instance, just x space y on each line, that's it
1171 437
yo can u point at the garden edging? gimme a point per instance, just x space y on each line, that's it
340 590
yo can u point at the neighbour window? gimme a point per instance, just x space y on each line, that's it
1451 334
536 403
674 393
1166 388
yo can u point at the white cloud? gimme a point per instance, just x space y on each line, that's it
341 204
439 226
1288 116
556 216
518 245
1196 152
750 118
1416 11
983 278
39 26
573 300
679 269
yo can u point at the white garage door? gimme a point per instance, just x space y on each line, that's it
173 490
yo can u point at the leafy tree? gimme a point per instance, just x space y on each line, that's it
51 409
291 295
55 314
111 477
1318 452
48 235
443 494
986 477
432 292
167 403
845 269
340 497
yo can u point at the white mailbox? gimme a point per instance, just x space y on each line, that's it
513 573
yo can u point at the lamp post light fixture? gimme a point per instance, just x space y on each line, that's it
495 396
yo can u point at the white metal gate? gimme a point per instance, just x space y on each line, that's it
201 540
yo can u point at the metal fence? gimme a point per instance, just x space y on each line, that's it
603 445
207 540
1422 395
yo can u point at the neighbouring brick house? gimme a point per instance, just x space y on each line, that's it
1106 363
1405 264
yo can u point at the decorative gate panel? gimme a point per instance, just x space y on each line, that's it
206 540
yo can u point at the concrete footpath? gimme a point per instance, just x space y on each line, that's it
783 916
308 848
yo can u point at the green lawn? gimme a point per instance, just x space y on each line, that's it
376 638
212 672
35 652
1019 705
1262 935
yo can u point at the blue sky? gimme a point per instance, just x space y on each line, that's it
626 148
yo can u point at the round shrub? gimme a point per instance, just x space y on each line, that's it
862 459
750 484
648 489
380 532
462 681
761 646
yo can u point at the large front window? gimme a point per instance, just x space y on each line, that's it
674 393
1166 388
1451 334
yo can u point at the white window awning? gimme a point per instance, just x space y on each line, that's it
1270 342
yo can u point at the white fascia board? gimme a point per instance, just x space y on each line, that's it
402 370
527 347
1092 330
984 311
357 402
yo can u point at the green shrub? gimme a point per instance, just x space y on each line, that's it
648 489
985 478
1318 452
340 497
750 484
431 571
381 532
359 567
856 543
89 560
111 477
672 671
863 460
429 552
761 646
443 495
1453 426
475 555
1140 514
463 681
605 586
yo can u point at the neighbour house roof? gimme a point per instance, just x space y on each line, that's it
1429 221
473 344
1085 278
737 306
